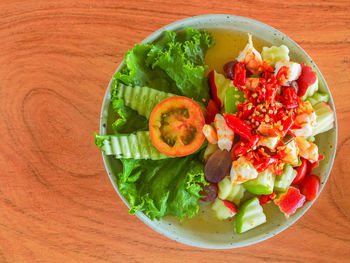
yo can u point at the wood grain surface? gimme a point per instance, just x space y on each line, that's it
56 201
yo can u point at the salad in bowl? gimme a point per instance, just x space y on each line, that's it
222 136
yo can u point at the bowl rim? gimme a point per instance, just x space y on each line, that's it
142 216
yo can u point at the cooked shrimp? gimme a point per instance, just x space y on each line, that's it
242 170
224 133
307 150
251 83
210 134
291 153
250 56
294 70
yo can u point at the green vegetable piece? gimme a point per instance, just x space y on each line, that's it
162 187
249 215
282 182
324 118
298 164
318 97
142 99
182 61
233 96
222 212
261 185
232 193
136 145
162 66
274 54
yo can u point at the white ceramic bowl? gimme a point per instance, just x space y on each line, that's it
204 231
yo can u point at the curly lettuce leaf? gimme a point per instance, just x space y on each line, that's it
162 187
172 64
128 120
182 59
136 73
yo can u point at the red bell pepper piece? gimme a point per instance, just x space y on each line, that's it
212 110
241 128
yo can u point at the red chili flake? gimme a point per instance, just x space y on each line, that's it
290 98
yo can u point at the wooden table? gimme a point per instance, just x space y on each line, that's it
56 201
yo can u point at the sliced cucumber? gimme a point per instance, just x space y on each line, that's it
141 99
283 181
318 97
222 212
144 99
261 185
249 215
324 118
232 193
136 145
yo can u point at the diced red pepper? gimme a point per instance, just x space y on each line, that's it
240 75
290 98
287 124
241 128
245 110
306 78
212 110
265 199
265 163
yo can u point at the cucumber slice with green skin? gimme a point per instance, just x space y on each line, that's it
318 97
136 145
283 181
144 99
324 118
233 96
261 185
232 193
222 212
249 215
141 99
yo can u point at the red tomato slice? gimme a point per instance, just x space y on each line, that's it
310 186
175 126
302 169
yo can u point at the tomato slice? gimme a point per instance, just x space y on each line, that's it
175 126
310 186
